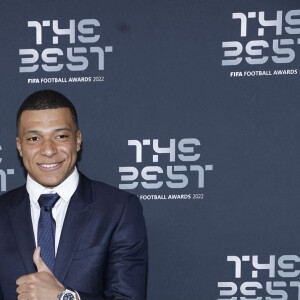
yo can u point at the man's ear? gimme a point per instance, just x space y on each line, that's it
78 140
19 147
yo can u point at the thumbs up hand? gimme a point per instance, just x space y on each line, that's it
38 261
41 285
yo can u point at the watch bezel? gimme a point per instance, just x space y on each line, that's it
67 292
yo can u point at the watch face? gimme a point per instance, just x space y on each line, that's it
68 296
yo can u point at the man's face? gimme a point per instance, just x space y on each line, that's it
48 141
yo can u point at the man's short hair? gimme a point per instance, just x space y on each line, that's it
46 99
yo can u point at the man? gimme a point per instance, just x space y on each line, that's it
64 236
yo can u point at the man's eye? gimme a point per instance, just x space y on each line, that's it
33 139
62 136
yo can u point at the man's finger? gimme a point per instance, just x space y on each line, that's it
40 264
22 289
22 280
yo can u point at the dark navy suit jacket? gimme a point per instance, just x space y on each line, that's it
102 252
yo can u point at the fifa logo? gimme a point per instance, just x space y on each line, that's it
284 27
85 34
182 157
3 176
282 274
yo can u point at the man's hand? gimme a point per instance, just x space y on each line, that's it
41 285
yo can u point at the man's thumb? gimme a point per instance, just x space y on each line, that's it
40 264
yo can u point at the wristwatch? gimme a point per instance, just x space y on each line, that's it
67 295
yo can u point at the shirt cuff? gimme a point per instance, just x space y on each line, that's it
77 295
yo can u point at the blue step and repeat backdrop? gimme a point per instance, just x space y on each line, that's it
192 105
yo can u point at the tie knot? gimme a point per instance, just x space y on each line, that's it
47 201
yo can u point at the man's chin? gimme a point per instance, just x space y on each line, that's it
50 184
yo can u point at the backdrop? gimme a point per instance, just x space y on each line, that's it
191 105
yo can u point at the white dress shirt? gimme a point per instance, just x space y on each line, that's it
65 190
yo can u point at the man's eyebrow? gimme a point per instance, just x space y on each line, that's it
62 129
33 131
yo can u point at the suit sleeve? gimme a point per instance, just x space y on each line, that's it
127 259
127 262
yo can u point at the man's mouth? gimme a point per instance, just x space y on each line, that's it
49 166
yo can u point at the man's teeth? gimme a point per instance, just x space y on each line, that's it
49 165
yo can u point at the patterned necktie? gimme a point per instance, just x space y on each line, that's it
46 229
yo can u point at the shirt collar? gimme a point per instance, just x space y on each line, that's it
65 190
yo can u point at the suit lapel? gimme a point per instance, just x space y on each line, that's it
78 213
20 217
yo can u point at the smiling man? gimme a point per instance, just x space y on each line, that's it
64 236
48 141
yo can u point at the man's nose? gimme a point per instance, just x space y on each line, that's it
48 148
